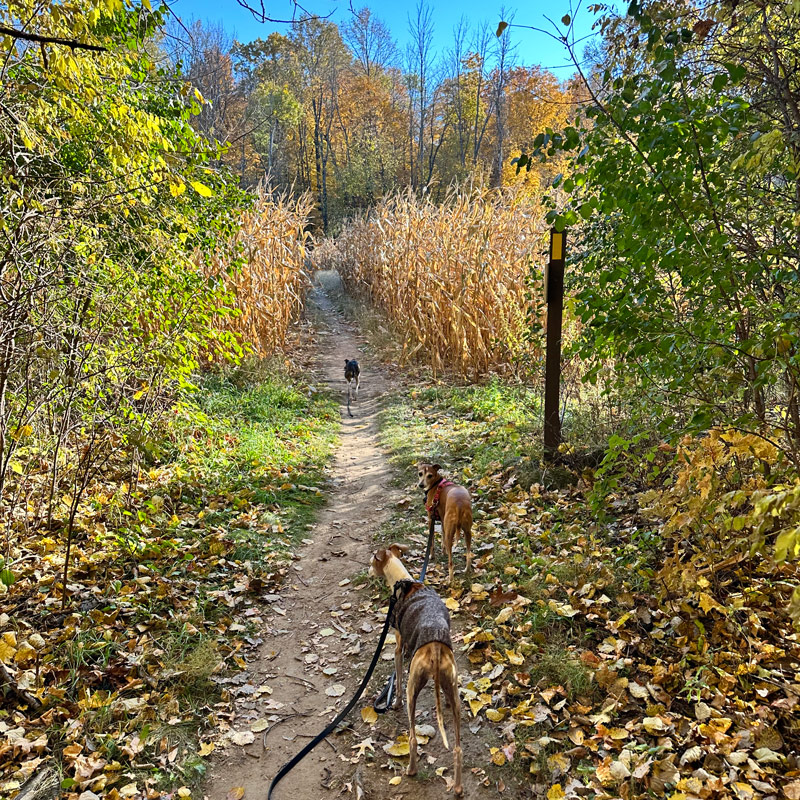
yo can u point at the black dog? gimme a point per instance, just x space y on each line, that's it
351 373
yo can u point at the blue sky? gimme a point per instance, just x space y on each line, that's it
532 47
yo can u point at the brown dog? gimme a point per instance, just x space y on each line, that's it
451 504
422 623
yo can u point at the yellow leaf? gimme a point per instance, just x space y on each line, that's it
236 793
558 763
369 715
398 748
24 653
452 603
555 792
476 706
206 748
576 736
498 756
395 781
707 602
201 189
495 714
7 651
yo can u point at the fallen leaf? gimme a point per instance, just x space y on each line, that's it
792 790
555 792
397 748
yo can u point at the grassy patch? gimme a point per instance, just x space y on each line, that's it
481 427
556 666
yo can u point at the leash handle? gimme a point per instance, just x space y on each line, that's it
290 765
384 701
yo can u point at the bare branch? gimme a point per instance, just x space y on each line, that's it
259 11
35 37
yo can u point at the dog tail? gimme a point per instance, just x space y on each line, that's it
438 693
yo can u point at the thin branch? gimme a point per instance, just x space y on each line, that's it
35 37
261 13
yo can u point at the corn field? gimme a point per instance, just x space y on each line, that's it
455 278
268 285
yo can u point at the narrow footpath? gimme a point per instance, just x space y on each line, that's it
322 627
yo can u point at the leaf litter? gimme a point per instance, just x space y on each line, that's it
596 677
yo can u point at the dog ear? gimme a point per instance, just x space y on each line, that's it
347 361
378 559
397 549
437 467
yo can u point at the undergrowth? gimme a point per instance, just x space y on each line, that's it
167 571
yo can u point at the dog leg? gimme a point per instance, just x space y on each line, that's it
450 686
348 398
398 672
468 544
449 535
417 678
358 383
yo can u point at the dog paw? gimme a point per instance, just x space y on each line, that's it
412 770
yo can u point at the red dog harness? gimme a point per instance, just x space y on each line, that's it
433 508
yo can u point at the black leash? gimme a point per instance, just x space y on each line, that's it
383 702
290 765
385 698
428 549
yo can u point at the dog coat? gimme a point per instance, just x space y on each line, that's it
420 616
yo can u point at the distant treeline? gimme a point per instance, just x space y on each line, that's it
340 111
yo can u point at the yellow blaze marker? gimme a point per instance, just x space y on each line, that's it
556 246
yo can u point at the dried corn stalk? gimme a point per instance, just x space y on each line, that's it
268 285
455 278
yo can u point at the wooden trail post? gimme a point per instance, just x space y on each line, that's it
554 296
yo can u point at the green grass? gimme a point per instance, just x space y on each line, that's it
555 666
256 457
481 427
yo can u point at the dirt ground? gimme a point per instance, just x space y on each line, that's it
321 630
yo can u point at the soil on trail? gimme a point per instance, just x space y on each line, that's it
322 627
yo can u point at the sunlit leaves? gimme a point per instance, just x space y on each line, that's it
201 189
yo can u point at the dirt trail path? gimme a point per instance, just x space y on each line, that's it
321 630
